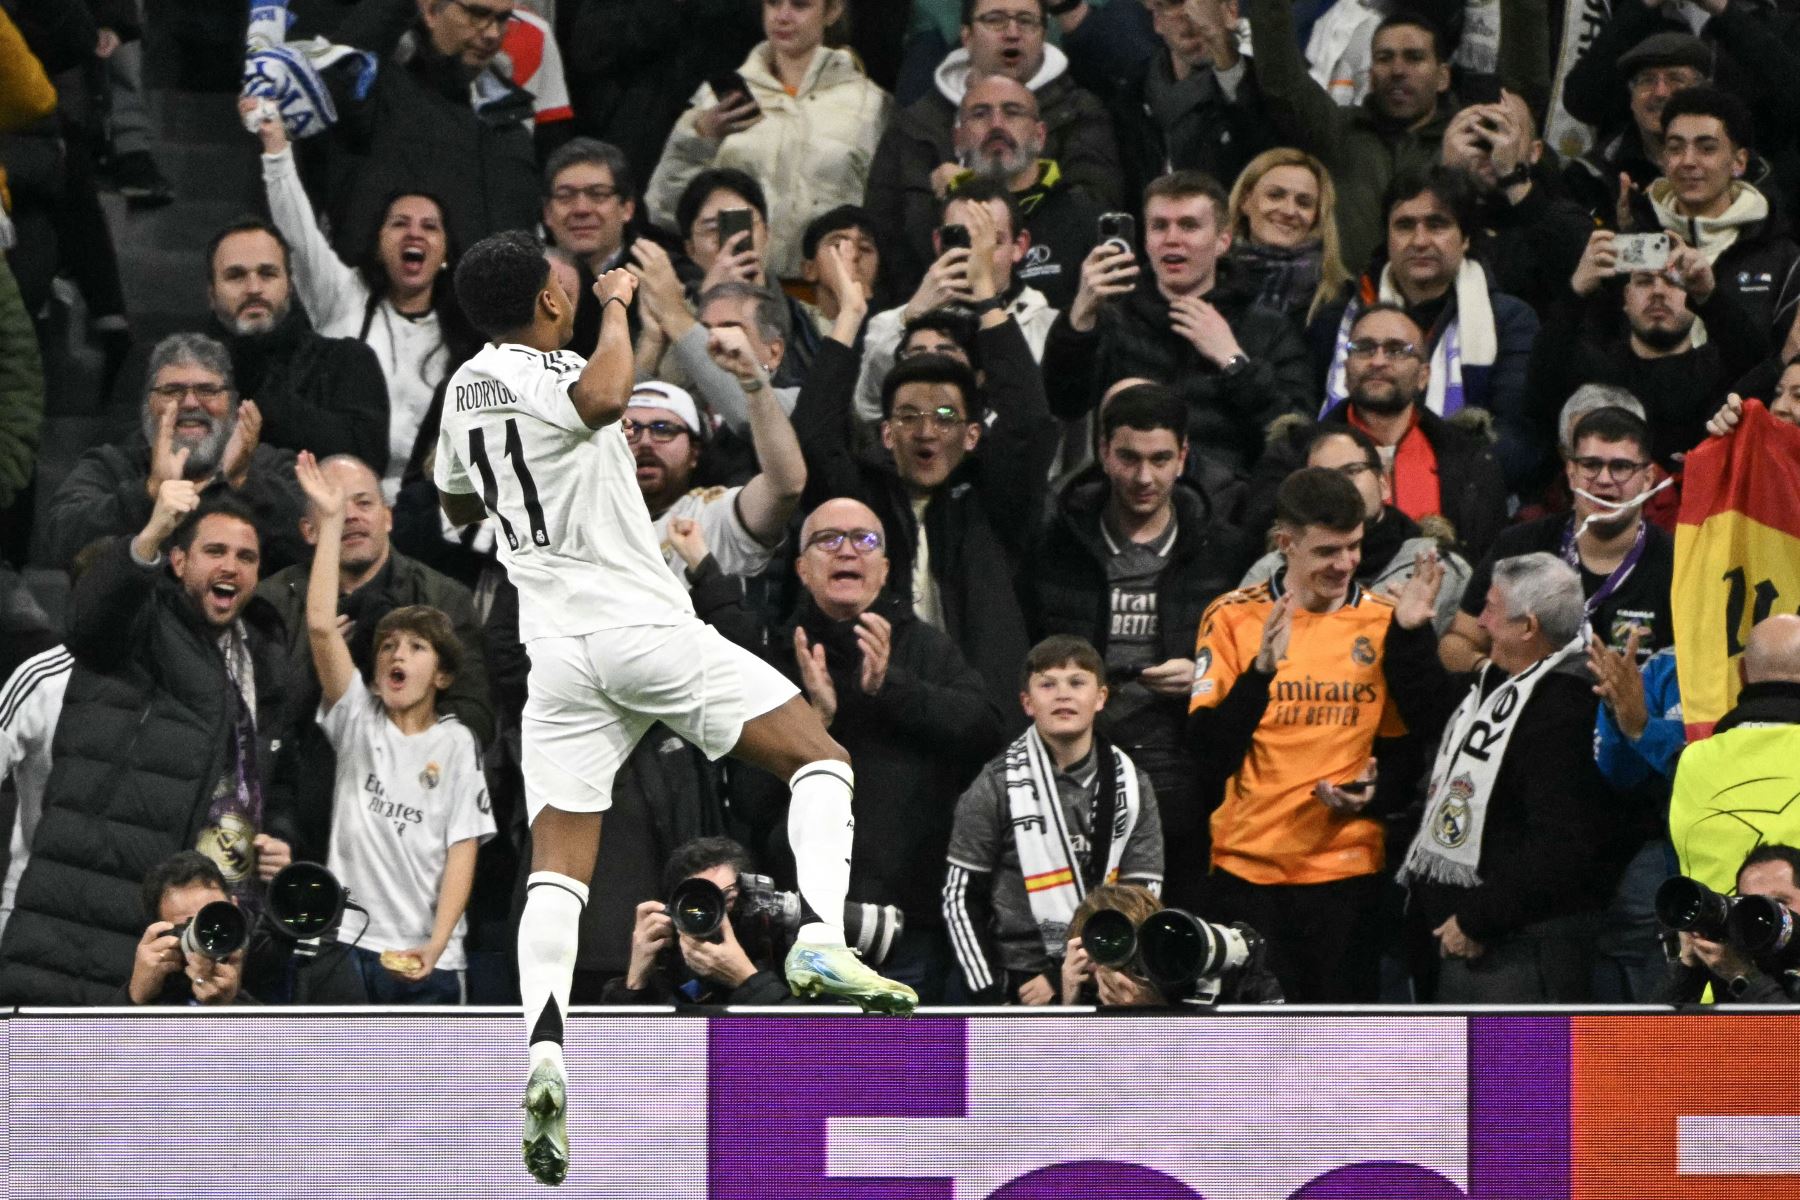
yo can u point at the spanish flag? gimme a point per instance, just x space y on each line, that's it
1737 556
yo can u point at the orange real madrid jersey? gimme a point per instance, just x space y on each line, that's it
1328 702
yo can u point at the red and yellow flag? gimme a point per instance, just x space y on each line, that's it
1737 556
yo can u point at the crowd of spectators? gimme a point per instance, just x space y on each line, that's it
1153 434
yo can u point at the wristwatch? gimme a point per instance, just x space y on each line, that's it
1234 364
1519 174
991 304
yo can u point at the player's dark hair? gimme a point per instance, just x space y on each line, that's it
248 224
1365 443
1613 425
1708 100
1062 650
1773 852
1414 20
717 179
427 624
499 279
1144 407
1319 496
213 506
703 854
181 869
934 369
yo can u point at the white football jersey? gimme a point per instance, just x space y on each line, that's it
569 521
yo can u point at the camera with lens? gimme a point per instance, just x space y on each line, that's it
1184 956
217 931
1759 927
763 914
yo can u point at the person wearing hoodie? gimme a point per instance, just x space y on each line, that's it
1630 143
1397 127
1705 198
916 159
1130 558
808 124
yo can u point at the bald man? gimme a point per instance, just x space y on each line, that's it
1734 790
915 717
999 135
373 580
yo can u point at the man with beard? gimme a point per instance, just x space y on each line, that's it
1001 137
192 426
175 710
1431 467
1651 352
326 395
1626 564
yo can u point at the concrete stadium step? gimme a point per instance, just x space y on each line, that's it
198 118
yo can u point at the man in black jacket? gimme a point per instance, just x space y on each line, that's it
192 426
1635 330
958 519
168 740
1129 561
915 717
1237 366
373 580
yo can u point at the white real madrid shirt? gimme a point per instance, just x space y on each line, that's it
30 704
400 802
728 539
570 522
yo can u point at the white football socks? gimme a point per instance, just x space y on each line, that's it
821 830
549 930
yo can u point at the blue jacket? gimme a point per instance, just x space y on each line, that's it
1627 763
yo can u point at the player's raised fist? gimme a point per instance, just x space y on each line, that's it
617 284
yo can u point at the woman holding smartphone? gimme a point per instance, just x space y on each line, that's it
1284 247
798 115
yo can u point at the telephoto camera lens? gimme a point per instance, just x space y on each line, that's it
305 900
697 906
1690 906
1764 929
217 931
1109 938
1178 948
872 929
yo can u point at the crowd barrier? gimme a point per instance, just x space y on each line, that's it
1239 1105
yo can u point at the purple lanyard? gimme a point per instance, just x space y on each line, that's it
1620 573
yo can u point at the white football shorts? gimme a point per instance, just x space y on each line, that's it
590 699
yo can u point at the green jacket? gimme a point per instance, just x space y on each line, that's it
1363 150
21 390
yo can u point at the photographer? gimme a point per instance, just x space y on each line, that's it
1084 982
669 967
175 890
1772 871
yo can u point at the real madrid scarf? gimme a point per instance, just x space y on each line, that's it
1468 340
1447 848
1056 878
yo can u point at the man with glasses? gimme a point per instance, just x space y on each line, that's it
958 519
444 117
1626 564
192 426
1620 86
590 203
1431 467
918 156
916 718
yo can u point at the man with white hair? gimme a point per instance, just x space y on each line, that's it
193 427
1513 859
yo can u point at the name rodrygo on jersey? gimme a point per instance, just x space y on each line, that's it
572 527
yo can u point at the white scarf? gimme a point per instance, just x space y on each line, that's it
1468 339
1053 882
1447 848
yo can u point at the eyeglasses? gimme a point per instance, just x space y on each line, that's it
1009 112
1675 79
486 18
598 193
941 418
1392 347
1615 468
996 22
863 541
661 432
201 391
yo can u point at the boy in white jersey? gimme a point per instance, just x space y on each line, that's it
531 435
410 804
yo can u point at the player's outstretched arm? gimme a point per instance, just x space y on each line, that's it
604 386
331 656
769 499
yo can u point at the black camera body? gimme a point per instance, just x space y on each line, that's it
217 931
1184 956
763 914
1761 928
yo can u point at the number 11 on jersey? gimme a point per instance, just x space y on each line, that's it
490 485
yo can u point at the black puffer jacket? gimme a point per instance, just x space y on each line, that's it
1227 414
1215 133
143 737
